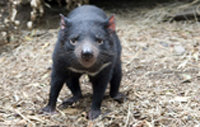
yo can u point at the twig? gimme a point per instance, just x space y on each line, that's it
24 117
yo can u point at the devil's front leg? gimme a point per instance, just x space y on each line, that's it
57 81
99 84
115 83
72 83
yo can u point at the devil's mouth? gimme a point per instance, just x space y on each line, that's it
87 63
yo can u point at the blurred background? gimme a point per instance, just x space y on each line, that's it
22 14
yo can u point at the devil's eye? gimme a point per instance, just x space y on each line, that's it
73 41
100 41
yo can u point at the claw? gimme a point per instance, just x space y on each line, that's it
49 109
93 114
69 101
120 98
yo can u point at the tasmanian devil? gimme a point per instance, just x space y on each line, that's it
87 44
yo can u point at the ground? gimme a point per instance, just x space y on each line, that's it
161 76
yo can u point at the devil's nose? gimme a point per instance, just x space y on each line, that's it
87 54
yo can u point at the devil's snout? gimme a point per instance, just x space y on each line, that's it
87 53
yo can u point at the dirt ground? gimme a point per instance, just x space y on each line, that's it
161 76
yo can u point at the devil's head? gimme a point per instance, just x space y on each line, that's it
89 42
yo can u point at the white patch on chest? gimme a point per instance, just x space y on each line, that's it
90 73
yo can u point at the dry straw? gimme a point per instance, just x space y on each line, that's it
160 76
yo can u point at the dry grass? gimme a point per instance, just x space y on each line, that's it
161 82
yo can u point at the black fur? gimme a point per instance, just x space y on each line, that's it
86 22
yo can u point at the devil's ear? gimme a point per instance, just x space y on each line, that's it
111 23
63 22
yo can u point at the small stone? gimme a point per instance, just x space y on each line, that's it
17 22
180 50
164 44
30 25
3 34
